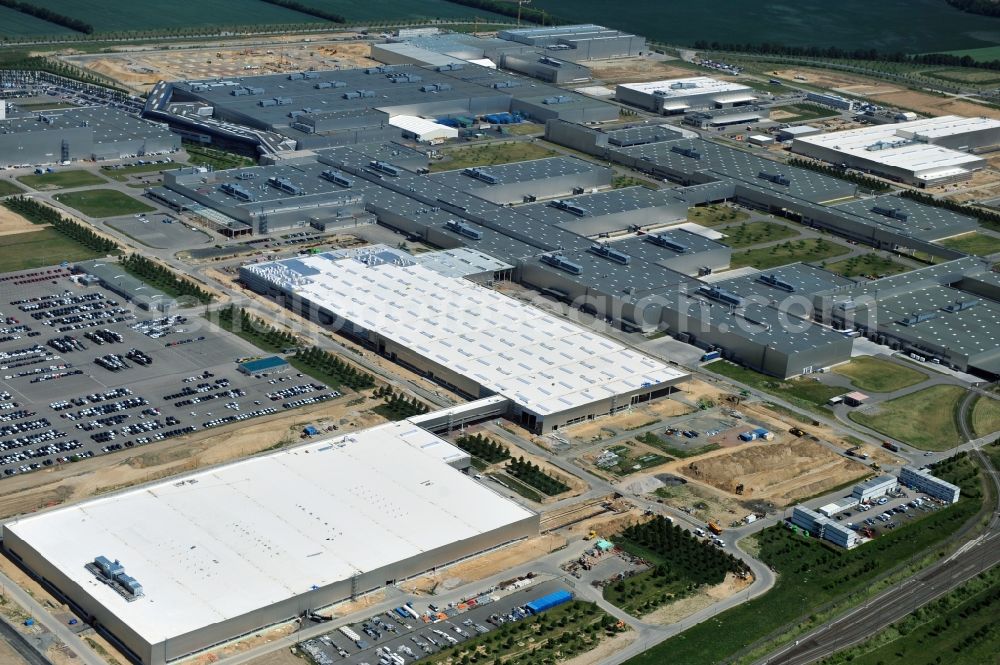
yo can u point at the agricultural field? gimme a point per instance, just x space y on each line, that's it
714 215
808 250
879 375
976 243
985 416
968 76
811 574
36 249
61 180
125 15
982 54
908 419
757 232
491 155
386 10
919 26
101 203
15 24
867 265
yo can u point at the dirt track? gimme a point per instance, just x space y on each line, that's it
11 223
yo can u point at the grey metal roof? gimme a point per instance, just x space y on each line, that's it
805 280
970 331
642 135
921 221
109 125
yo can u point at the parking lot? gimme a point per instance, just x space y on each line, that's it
886 513
388 636
82 374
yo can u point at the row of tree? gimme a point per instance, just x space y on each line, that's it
237 320
984 7
329 364
164 278
837 53
36 213
863 181
513 9
307 9
48 15
398 406
484 448
533 475
682 555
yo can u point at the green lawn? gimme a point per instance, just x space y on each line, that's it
812 574
976 243
800 391
714 215
985 416
517 486
102 203
924 419
805 112
218 159
36 249
7 188
959 629
806 250
491 154
879 375
124 172
756 232
868 265
622 181
62 179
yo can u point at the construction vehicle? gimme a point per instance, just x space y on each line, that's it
591 535
715 528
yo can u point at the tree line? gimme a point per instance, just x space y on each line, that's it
983 7
484 448
397 406
333 369
164 278
306 9
36 213
511 9
48 15
237 321
837 53
533 475
866 182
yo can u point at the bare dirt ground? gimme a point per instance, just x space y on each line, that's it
73 482
141 70
607 647
687 606
604 525
11 223
282 657
635 69
888 94
484 566
646 414
781 473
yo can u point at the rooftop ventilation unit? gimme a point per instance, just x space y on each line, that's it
960 305
310 75
297 76
463 229
481 174
254 90
246 175
366 94
384 167
381 69
323 85
337 178
610 254
686 152
558 99
773 281
284 184
684 85
661 240
562 263
450 67
505 84
435 87
776 178
571 208
721 295
919 317
113 574
894 213
549 61
236 191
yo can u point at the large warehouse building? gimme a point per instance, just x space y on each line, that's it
675 96
52 137
227 551
471 339
927 152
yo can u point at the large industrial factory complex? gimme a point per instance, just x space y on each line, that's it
225 552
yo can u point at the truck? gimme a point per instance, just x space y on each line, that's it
889 445
711 355
750 519
715 528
